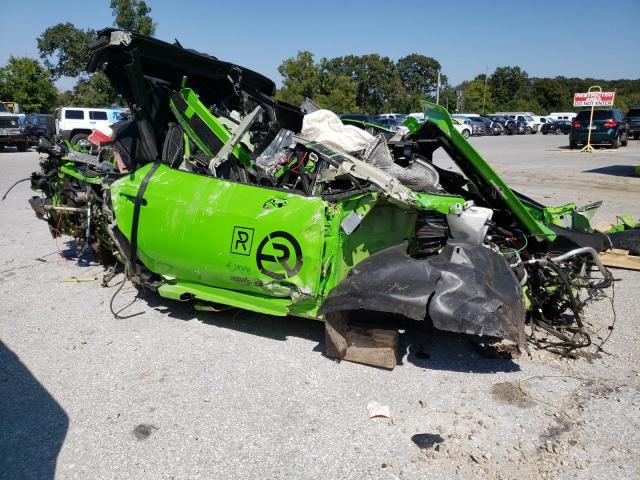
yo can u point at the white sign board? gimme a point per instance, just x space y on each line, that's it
593 99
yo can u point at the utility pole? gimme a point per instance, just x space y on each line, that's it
484 96
438 90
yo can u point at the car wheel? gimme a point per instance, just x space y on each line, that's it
636 136
466 133
528 130
80 139
23 147
616 142
573 145
625 141
544 132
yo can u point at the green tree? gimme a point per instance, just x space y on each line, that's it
25 81
510 86
66 99
301 79
448 97
419 75
63 49
95 91
378 84
133 16
476 98
551 95
338 94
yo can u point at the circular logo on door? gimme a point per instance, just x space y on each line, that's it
279 255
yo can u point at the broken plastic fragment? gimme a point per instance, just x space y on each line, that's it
377 410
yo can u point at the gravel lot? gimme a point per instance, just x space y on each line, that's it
177 394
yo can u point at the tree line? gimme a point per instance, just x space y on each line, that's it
63 53
369 84
372 84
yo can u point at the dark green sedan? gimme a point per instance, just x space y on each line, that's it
609 127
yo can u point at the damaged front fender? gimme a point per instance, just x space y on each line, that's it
465 288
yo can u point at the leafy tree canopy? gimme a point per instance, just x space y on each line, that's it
63 48
133 16
25 81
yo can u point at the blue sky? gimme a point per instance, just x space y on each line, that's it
545 38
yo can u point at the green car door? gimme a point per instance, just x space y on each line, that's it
227 235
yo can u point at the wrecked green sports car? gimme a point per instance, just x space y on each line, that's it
215 192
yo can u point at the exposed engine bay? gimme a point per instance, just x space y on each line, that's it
214 192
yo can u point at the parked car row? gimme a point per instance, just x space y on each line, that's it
609 126
67 123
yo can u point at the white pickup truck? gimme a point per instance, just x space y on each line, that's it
532 125
12 133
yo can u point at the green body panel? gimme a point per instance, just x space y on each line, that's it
383 226
439 116
263 249
206 230
259 303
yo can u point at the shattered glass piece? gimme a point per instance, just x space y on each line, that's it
272 157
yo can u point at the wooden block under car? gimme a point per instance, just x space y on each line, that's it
617 258
356 343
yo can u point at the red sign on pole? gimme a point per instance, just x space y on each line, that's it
593 99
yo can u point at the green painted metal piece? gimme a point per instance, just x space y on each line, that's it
412 124
71 170
440 117
261 304
438 203
624 222
196 107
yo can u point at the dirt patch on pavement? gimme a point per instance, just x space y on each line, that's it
509 392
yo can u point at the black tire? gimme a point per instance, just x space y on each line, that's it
544 132
615 143
466 133
528 130
573 145
23 147
636 136
625 141
80 137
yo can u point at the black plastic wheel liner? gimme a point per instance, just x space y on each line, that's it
465 288
626 240
569 239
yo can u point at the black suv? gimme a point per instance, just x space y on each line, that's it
609 127
39 125
633 118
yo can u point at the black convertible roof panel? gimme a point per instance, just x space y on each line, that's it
114 49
